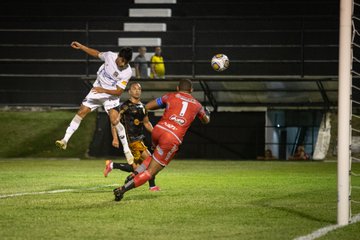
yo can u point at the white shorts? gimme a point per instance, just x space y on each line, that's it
95 100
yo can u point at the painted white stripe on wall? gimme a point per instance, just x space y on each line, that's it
145 27
149 12
147 42
134 72
148 55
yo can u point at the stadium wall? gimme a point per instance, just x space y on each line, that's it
230 135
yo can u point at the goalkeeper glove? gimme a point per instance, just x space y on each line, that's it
207 112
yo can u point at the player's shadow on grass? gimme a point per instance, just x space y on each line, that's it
140 197
129 196
271 203
108 201
301 214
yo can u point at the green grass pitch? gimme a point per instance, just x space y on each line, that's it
199 200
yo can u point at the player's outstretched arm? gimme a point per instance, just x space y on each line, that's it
116 92
147 124
152 105
92 52
205 119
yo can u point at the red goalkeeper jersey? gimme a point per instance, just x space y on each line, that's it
180 111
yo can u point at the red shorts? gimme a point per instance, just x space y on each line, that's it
166 145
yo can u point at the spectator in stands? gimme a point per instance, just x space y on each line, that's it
141 65
157 64
300 154
268 155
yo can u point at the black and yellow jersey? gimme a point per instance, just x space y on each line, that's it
132 117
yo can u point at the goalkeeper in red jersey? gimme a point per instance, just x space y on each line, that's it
181 108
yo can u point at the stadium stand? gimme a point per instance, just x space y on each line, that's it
264 39
282 53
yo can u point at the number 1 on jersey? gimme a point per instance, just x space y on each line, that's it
184 107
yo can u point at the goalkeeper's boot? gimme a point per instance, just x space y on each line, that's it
108 167
154 189
129 157
119 194
62 144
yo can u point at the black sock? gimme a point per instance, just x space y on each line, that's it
152 182
128 186
123 166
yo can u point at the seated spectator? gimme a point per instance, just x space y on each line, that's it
268 155
300 154
157 64
141 65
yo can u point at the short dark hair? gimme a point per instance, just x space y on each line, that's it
185 85
126 53
133 83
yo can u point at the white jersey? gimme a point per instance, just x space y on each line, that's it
109 75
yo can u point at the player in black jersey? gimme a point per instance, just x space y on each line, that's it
134 117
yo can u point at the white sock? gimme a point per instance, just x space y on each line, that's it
111 165
122 136
141 168
73 126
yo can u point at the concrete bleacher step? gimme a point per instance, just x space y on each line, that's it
155 1
145 27
148 55
147 42
149 12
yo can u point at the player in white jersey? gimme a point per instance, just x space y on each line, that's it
111 81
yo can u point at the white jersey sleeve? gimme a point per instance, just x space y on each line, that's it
125 78
103 55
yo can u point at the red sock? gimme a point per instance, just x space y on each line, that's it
142 178
147 161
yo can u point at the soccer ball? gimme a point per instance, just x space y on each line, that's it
220 62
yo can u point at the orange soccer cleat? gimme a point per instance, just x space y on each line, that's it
108 167
154 189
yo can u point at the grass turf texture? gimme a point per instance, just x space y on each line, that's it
33 134
199 200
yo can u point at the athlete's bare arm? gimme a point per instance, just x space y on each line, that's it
147 124
116 92
205 119
90 51
152 105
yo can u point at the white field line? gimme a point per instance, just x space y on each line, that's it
323 231
54 191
